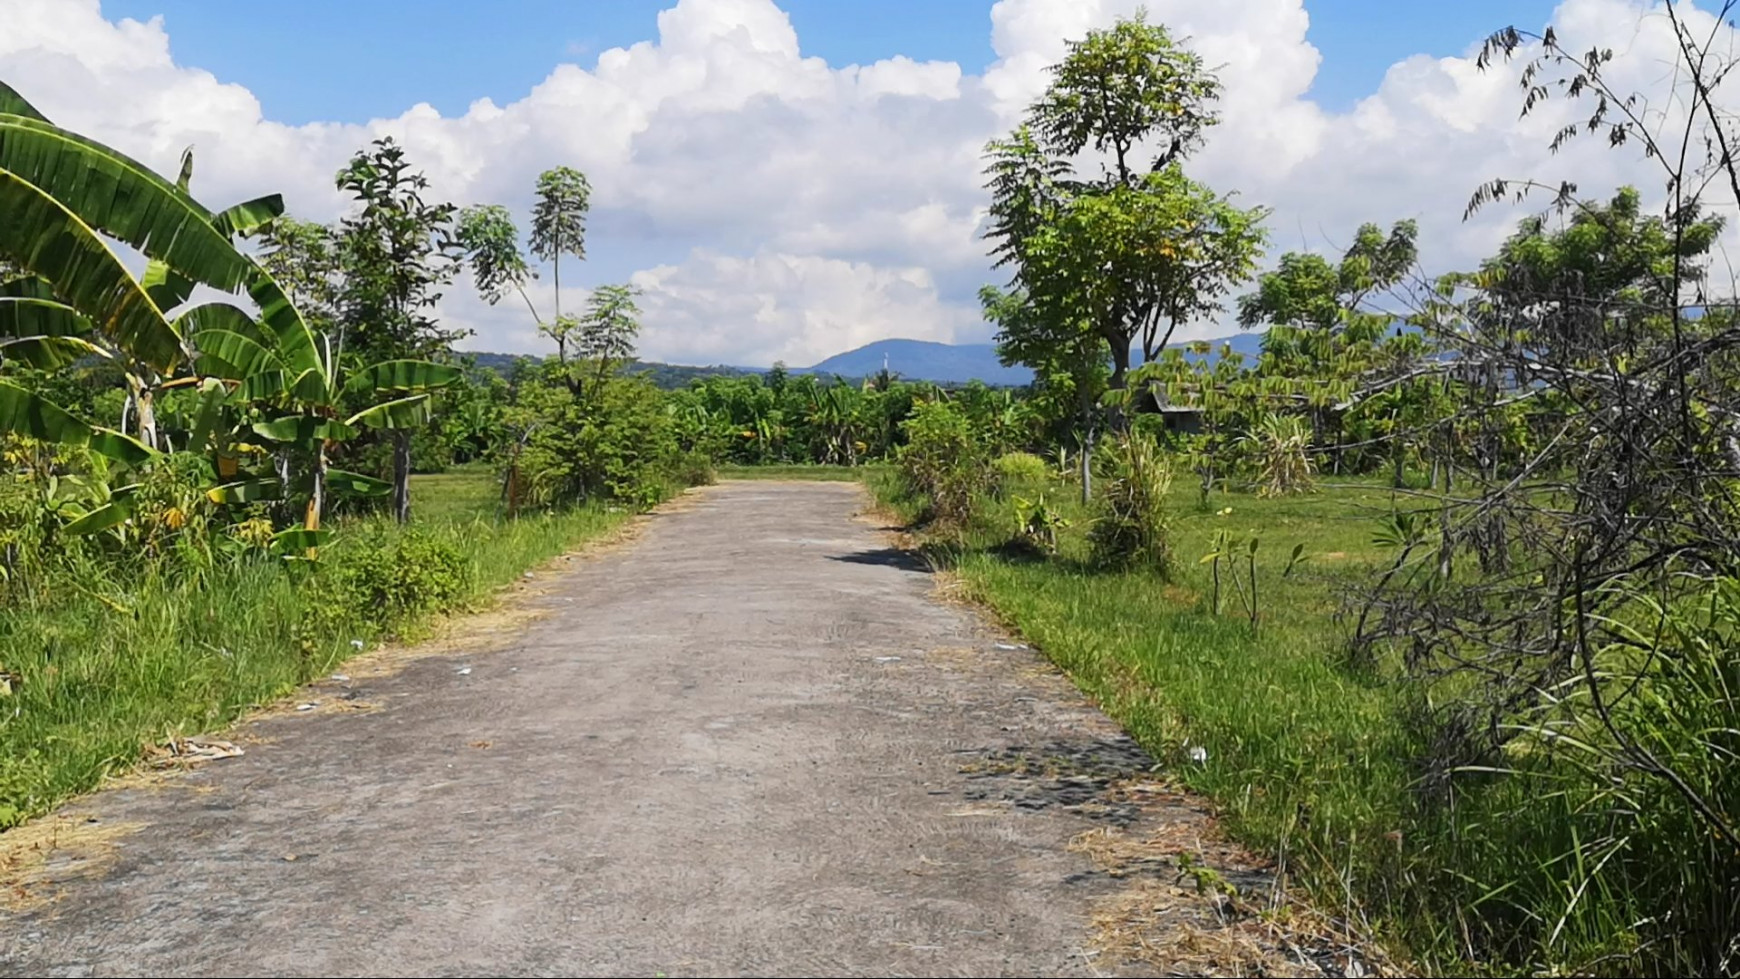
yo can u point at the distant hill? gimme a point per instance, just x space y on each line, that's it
923 360
914 360
667 376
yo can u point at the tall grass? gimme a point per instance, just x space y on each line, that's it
1311 757
107 660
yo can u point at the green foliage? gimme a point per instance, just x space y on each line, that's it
397 252
1133 528
617 444
942 462
1037 524
491 243
1128 255
391 576
1020 468
1281 449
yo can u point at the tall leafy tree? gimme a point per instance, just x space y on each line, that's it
1128 253
1110 243
490 241
559 221
398 252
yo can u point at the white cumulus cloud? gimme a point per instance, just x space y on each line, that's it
773 206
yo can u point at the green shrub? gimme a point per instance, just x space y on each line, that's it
614 441
388 575
1037 524
1132 528
1280 448
1021 467
942 461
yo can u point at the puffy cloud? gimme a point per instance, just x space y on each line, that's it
773 206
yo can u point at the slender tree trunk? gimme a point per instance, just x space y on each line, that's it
317 494
1087 451
402 475
147 418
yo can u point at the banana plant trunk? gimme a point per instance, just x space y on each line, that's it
402 475
317 493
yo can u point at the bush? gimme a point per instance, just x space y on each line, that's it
1021 467
389 576
1280 447
1132 529
614 441
942 462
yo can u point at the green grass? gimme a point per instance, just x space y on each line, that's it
1313 760
115 661
818 472
1305 759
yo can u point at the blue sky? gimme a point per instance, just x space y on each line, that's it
772 211
353 60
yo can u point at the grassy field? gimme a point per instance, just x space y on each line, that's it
1306 759
112 662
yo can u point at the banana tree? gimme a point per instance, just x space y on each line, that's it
297 385
60 194
61 197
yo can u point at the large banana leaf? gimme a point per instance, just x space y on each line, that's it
13 103
293 340
166 287
50 241
221 316
230 355
110 514
211 405
24 412
412 412
40 318
249 216
125 199
27 287
271 385
356 484
49 353
401 377
310 387
299 539
246 491
304 429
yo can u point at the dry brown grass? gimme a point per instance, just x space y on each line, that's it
37 857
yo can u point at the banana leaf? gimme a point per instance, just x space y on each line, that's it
44 237
231 355
356 484
412 412
249 216
27 413
401 377
32 317
304 429
27 287
49 353
212 395
13 103
110 514
299 539
246 491
124 199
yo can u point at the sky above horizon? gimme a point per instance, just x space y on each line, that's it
787 180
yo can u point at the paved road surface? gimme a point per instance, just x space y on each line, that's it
750 743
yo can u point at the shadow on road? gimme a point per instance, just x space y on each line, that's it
890 556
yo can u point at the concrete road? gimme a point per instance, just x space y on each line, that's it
750 743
